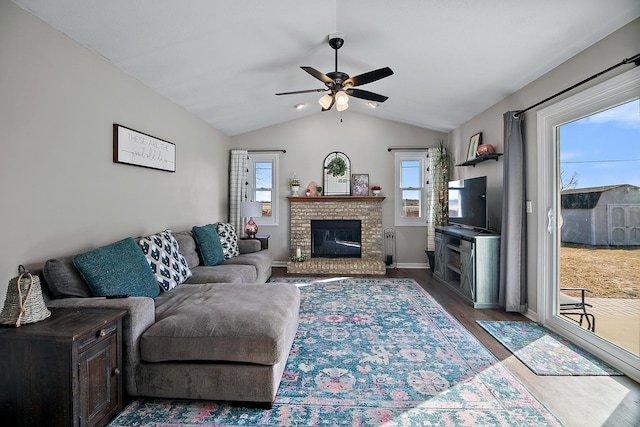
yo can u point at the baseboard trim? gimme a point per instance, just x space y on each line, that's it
413 265
531 315
401 265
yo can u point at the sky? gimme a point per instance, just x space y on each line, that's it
603 149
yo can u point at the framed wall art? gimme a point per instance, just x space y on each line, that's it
139 149
360 184
473 145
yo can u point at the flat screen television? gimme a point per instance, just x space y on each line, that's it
468 203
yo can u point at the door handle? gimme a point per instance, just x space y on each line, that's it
550 224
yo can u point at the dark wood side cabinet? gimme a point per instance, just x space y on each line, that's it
264 240
62 371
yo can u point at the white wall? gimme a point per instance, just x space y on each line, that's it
623 43
365 140
60 192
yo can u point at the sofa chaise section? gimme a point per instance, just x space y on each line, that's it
219 342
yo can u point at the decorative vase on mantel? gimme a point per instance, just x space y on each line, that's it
294 183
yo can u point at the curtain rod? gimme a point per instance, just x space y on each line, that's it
635 59
407 148
267 151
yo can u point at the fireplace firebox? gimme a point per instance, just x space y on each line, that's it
335 238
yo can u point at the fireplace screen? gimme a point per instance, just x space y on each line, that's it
335 238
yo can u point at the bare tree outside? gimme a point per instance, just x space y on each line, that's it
571 183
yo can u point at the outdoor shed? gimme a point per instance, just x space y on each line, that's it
608 215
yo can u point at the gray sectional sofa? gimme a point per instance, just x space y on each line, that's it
224 334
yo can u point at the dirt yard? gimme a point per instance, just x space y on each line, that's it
607 272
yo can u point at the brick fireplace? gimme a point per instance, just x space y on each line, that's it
368 210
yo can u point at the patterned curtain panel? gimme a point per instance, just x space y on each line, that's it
238 175
434 181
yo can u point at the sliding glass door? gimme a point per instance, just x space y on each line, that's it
589 219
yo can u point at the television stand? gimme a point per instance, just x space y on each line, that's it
468 262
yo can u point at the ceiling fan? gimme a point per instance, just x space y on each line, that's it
340 84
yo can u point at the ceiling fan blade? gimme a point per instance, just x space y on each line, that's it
302 91
365 94
318 75
371 76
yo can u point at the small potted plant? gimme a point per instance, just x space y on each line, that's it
376 190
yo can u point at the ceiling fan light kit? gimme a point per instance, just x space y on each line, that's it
325 101
341 98
341 85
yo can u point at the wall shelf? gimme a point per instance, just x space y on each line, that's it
482 158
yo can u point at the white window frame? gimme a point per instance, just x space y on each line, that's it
251 190
420 221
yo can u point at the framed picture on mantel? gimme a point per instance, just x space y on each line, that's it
360 184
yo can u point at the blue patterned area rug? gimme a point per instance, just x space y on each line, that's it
545 352
371 352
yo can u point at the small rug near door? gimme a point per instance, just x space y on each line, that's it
371 352
545 352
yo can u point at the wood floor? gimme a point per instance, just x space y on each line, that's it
576 401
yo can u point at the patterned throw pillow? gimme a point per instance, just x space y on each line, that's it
164 258
229 239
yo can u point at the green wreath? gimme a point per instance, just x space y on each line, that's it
337 166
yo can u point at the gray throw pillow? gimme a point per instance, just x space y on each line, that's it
64 279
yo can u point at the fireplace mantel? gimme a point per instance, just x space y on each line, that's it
336 198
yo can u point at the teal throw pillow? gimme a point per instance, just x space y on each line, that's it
209 245
118 269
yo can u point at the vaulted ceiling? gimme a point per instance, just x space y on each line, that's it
224 61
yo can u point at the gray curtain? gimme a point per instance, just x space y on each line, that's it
238 175
513 250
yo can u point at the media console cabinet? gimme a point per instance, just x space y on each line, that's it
468 262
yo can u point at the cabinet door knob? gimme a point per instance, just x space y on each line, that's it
102 333
116 371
